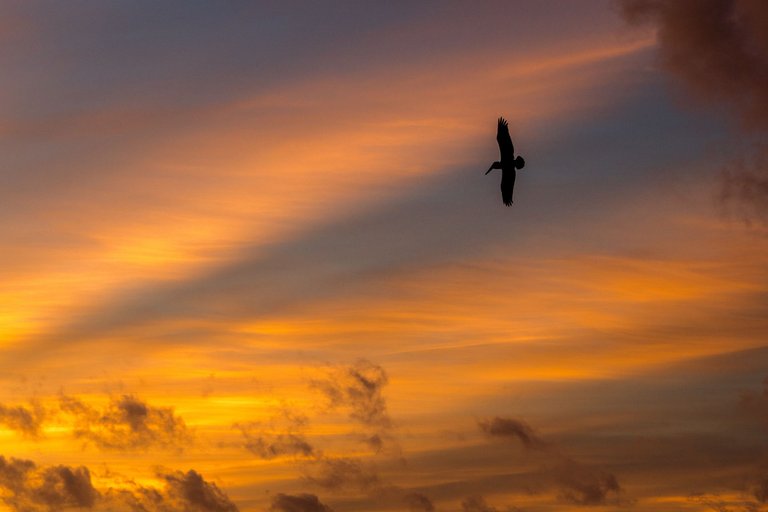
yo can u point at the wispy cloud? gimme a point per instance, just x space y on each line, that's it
344 473
358 388
577 483
27 420
511 428
127 423
583 485
283 435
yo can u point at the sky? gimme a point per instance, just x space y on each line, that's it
249 260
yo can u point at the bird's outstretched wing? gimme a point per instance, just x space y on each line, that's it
505 141
507 187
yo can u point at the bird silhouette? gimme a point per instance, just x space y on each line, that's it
508 164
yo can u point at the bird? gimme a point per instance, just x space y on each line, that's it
508 164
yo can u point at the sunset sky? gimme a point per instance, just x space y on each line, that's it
250 262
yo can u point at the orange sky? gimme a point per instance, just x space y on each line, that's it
250 262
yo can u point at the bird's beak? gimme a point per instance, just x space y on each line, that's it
489 170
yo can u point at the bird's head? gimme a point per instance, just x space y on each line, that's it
519 162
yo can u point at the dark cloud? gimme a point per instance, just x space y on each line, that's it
298 503
582 485
343 473
193 491
282 435
510 428
358 388
63 486
26 420
718 50
13 472
417 502
127 423
578 483
182 491
30 488
268 445
27 487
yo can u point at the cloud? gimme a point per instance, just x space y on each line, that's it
717 48
127 423
281 436
268 445
26 420
716 503
271 446
578 484
298 503
510 428
582 485
191 489
375 442
13 472
30 488
358 388
718 51
344 473
418 502
182 491
27 487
